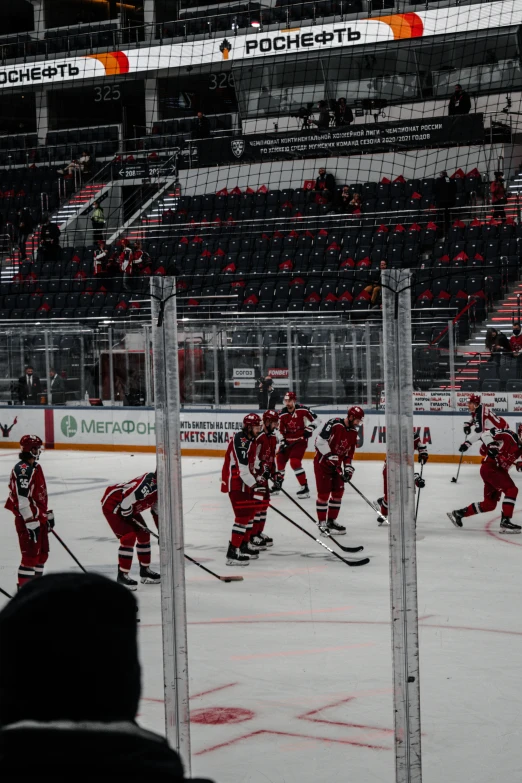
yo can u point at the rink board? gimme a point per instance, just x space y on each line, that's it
207 432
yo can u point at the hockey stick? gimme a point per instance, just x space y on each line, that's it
456 478
418 495
372 505
4 592
364 561
68 550
352 549
217 576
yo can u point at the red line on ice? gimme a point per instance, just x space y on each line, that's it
289 734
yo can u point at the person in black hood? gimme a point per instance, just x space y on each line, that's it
445 196
71 713
460 102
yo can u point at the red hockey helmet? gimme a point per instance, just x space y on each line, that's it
252 420
290 396
31 444
474 398
270 416
355 412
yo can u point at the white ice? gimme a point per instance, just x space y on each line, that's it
299 653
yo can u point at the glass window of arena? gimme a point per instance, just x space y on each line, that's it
398 72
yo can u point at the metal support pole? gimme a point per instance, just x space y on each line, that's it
355 368
111 365
148 385
226 370
289 357
216 365
398 377
82 366
333 367
260 353
192 361
368 348
451 346
47 369
170 506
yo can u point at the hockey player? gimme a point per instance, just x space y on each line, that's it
28 502
482 419
419 481
122 505
501 448
296 425
334 450
245 492
264 469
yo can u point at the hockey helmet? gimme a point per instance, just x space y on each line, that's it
252 420
31 444
474 398
270 417
355 412
290 396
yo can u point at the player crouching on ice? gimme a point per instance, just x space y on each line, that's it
296 425
419 481
501 448
28 502
122 505
334 450
264 469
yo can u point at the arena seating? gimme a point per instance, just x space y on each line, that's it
23 188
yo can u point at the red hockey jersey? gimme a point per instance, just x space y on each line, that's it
265 454
336 438
28 492
484 419
238 470
135 496
515 342
510 448
292 426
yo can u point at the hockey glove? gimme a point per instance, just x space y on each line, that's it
278 482
423 455
33 529
333 461
260 489
126 512
50 520
267 473
518 466
419 481
467 429
307 433
464 447
348 472
493 450
283 445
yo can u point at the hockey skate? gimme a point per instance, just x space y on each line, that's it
247 548
334 529
381 519
303 493
266 539
507 526
235 557
258 543
148 577
125 580
456 516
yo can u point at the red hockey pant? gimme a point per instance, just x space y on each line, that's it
497 481
330 491
293 454
245 509
34 553
384 502
128 535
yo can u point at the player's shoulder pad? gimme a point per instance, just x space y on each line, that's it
283 411
23 468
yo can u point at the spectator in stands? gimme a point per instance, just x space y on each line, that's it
29 387
341 202
97 221
25 228
460 102
50 239
56 387
343 113
85 162
324 116
498 196
515 340
68 170
498 344
355 204
445 195
324 185
267 396
201 127
54 727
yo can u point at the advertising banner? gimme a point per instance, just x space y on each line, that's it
266 43
377 137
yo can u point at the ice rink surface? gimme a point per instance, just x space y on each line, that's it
290 670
